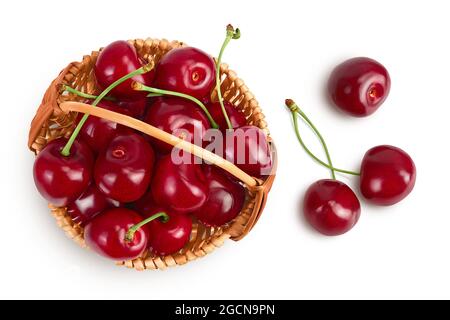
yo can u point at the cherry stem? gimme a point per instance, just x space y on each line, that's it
82 94
144 69
231 34
141 87
129 236
293 107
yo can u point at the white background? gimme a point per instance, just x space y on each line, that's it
287 49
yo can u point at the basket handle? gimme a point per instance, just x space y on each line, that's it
161 135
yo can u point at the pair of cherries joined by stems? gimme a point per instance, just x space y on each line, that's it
125 189
387 173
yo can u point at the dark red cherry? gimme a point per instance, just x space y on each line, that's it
117 60
237 118
187 70
124 169
105 234
89 204
225 198
98 132
180 187
247 147
171 236
179 117
60 179
388 175
359 86
331 207
135 108
147 206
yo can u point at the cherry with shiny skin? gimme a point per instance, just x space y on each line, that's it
187 70
61 179
247 148
117 60
98 132
331 207
180 187
89 204
359 86
225 198
388 175
237 118
167 235
106 234
124 169
179 117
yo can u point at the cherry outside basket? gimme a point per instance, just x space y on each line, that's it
55 118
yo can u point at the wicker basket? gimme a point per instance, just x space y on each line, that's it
55 118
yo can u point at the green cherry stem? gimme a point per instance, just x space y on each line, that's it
231 34
295 110
66 150
141 87
129 236
82 94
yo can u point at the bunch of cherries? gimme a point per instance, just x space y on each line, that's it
126 189
387 175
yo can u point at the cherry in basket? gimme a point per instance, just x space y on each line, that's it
124 169
225 198
180 187
117 60
61 179
187 70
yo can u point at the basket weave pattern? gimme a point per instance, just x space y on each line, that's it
51 122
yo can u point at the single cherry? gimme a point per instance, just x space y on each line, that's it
89 204
171 236
168 234
179 117
225 198
359 86
247 147
98 132
61 179
237 118
117 60
180 187
388 175
331 207
124 169
106 234
187 70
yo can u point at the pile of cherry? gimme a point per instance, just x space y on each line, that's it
387 175
125 188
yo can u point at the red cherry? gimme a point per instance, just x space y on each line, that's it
89 204
61 179
98 132
331 207
105 234
247 147
147 206
179 187
388 175
237 118
225 199
187 70
359 86
171 236
124 169
135 108
179 117
115 61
